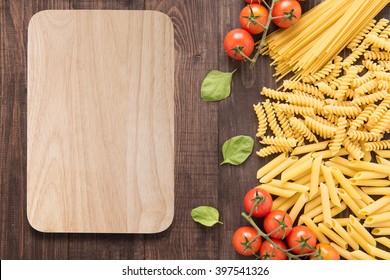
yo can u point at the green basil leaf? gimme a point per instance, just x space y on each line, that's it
216 85
205 215
237 149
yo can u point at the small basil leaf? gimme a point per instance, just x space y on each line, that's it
216 85
205 215
237 149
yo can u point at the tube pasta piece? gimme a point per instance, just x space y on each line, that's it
350 202
325 203
279 201
379 252
370 182
334 211
331 185
384 241
368 210
366 175
378 218
278 169
310 148
370 166
345 170
289 186
383 153
328 153
304 180
332 235
367 156
336 226
289 203
360 255
293 172
315 174
376 191
381 231
383 161
377 225
314 212
365 198
277 191
271 165
382 210
298 206
341 221
343 252
357 237
310 224
313 203
344 183
361 230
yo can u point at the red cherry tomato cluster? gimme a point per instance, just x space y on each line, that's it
239 43
277 225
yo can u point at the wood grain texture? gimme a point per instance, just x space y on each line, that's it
200 129
100 122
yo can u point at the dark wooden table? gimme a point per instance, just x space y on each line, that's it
201 128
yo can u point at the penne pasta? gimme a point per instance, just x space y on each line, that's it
343 252
310 148
367 156
361 230
385 200
382 210
344 183
376 191
358 238
383 161
278 169
271 165
304 180
370 166
310 224
370 182
325 203
337 227
365 197
331 185
345 170
297 170
360 255
276 190
365 175
289 186
289 203
384 241
278 202
378 218
377 225
332 235
312 203
329 153
381 231
315 174
350 202
379 252
334 211
383 153
342 221
298 206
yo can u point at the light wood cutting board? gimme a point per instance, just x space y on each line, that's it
100 127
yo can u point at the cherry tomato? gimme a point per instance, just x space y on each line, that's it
258 199
238 40
244 235
253 17
301 240
276 219
325 252
267 251
287 10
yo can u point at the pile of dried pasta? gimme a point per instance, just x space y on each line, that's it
330 129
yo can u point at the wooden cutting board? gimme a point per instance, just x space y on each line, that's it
100 127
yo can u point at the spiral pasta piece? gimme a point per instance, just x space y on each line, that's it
384 64
362 80
363 117
301 100
371 98
355 55
382 125
383 85
380 111
323 121
353 148
337 141
262 120
361 35
323 73
379 145
362 135
298 125
272 150
279 141
284 123
294 109
337 62
371 65
367 87
345 111
275 94
323 130
379 42
381 75
303 87
372 55
273 124
338 102
326 89
345 82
